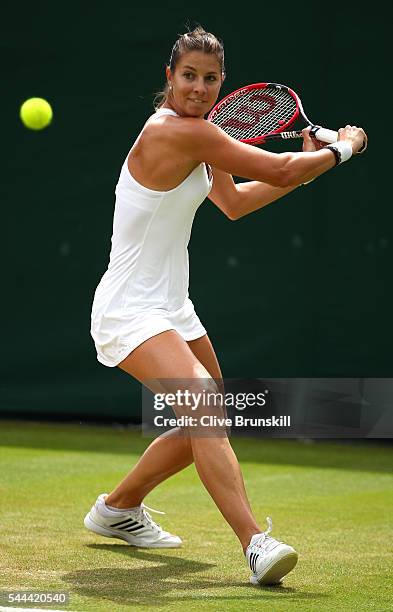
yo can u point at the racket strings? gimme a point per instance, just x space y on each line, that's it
256 112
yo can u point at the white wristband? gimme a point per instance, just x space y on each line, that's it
342 150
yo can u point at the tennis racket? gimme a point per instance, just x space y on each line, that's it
264 111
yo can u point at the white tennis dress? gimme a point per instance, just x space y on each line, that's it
144 291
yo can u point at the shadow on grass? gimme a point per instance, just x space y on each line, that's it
169 579
357 456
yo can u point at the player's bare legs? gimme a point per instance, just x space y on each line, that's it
215 461
214 458
167 454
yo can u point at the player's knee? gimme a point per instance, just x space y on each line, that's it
205 393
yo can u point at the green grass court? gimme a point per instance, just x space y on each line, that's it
333 502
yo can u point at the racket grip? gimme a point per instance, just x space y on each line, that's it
324 134
330 136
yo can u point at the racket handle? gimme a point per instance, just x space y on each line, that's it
330 136
324 134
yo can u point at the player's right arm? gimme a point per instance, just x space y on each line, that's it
203 141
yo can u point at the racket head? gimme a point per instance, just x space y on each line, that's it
254 112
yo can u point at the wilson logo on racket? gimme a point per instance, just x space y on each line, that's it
248 110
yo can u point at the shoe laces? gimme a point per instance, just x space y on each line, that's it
265 541
145 517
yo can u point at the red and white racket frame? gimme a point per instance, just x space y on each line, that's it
318 132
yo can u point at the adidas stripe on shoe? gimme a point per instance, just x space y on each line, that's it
269 559
135 526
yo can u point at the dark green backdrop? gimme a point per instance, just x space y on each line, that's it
302 288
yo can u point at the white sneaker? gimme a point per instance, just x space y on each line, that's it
269 559
134 526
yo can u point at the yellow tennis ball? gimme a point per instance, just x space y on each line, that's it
36 113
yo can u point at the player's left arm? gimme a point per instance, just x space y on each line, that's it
236 200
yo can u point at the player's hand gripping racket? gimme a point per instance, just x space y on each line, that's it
264 111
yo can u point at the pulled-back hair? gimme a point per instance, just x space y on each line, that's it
197 40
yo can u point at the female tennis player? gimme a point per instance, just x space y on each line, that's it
142 318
